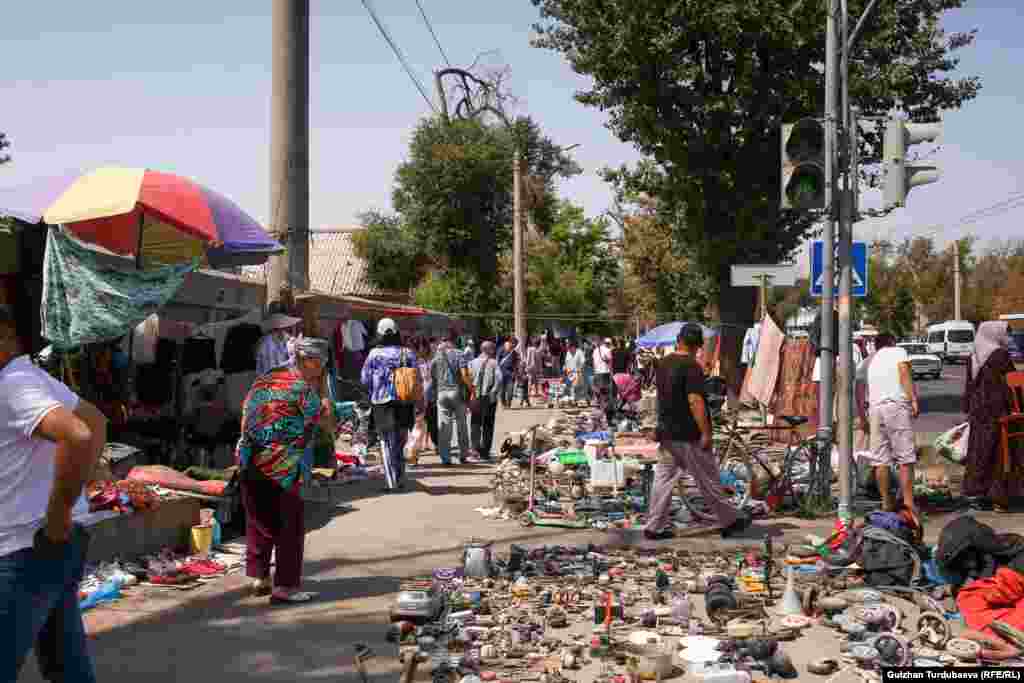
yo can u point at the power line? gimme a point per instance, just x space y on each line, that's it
1010 203
430 27
398 53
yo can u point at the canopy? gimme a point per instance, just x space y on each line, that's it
665 335
169 218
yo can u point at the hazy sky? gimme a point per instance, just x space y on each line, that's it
176 88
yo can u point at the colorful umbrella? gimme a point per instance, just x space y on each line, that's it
165 217
665 335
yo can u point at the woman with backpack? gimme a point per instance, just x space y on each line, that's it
393 394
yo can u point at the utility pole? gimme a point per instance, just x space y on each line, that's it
827 348
289 147
956 280
846 196
517 249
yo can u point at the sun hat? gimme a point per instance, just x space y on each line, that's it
279 321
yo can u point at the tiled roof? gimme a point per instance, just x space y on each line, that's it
334 267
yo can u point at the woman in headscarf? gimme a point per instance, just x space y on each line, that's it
986 399
280 420
393 418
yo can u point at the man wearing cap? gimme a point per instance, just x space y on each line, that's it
273 350
684 436
50 441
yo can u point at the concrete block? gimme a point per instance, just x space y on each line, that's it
142 533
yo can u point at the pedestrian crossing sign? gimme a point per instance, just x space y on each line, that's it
859 254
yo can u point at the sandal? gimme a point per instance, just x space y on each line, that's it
291 598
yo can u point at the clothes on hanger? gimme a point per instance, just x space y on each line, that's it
200 353
355 335
750 342
240 349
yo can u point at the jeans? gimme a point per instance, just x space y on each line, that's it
508 387
483 427
39 606
451 415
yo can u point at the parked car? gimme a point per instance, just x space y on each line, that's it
1017 346
922 363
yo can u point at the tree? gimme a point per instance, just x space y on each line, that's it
452 197
701 88
392 254
889 304
4 144
573 269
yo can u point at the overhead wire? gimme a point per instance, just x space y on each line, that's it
398 53
430 27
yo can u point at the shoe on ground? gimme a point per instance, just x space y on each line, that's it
662 535
741 524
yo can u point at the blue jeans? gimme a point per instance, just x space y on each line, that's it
39 607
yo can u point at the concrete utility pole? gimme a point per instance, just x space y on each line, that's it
956 280
518 249
827 352
846 369
289 147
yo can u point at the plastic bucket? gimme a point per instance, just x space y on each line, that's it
202 539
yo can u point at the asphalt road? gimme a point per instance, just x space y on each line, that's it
940 400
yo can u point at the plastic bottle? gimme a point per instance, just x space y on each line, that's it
109 590
681 610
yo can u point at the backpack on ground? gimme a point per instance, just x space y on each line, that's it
887 559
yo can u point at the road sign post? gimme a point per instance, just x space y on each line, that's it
859 254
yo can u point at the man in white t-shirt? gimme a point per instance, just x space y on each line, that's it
892 403
49 443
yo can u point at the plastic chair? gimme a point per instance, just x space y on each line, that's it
1011 426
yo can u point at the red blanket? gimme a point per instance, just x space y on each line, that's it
172 479
1000 598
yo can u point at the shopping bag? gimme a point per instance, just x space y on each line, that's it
952 444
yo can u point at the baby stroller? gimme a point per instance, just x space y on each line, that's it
622 406
557 392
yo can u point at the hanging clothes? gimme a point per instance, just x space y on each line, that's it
750 342
144 340
155 382
200 353
355 334
765 370
240 349
86 301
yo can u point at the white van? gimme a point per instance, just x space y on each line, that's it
952 340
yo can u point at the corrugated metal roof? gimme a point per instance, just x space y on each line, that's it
334 267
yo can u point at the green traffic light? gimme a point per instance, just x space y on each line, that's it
806 187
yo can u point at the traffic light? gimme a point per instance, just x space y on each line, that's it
803 165
901 175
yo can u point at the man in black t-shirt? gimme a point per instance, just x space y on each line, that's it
684 434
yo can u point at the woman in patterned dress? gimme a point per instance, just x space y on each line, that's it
280 420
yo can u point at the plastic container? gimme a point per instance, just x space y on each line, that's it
109 590
202 539
723 676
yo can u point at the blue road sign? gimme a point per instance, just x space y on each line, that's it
860 269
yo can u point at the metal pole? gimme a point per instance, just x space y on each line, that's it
846 373
289 146
517 249
827 353
956 280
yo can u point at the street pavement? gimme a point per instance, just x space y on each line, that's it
357 551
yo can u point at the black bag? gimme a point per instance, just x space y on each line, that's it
887 560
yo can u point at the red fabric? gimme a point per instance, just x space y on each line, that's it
179 202
119 234
172 479
1000 598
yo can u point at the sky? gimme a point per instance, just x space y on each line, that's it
174 88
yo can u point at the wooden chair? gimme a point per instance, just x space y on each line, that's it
1011 426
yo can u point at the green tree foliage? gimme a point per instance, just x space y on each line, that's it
890 303
4 144
701 88
392 254
453 208
572 271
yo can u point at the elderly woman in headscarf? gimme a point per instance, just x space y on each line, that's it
392 417
986 399
280 422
